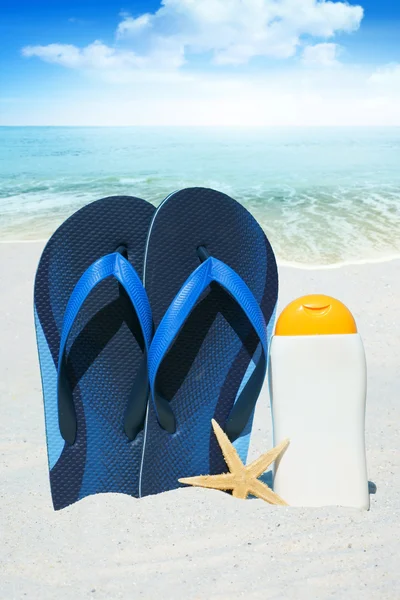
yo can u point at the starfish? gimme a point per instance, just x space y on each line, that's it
242 480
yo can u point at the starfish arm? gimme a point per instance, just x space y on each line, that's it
261 464
262 491
240 491
230 455
216 482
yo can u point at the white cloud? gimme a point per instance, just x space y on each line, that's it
114 64
231 31
131 26
94 56
235 31
62 54
321 54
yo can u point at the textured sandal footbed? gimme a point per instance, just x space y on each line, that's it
205 367
104 349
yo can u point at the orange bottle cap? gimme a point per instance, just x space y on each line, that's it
315 315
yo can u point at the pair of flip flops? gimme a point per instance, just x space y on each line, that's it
150 323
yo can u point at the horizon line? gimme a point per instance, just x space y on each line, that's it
310 126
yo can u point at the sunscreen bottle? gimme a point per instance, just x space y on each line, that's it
318 394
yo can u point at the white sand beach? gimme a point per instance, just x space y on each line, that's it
194 543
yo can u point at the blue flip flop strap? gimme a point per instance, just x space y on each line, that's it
110 265
212 270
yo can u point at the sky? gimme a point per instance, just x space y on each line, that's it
200 62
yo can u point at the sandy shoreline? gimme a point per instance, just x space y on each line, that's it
198 543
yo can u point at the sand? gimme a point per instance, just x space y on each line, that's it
194 543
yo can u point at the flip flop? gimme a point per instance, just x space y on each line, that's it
212 282
94 326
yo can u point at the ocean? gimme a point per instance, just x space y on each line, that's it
324 196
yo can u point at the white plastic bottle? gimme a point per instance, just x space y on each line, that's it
318 395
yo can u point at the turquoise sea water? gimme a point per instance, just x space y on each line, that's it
323 196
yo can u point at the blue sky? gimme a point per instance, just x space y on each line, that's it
204 62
